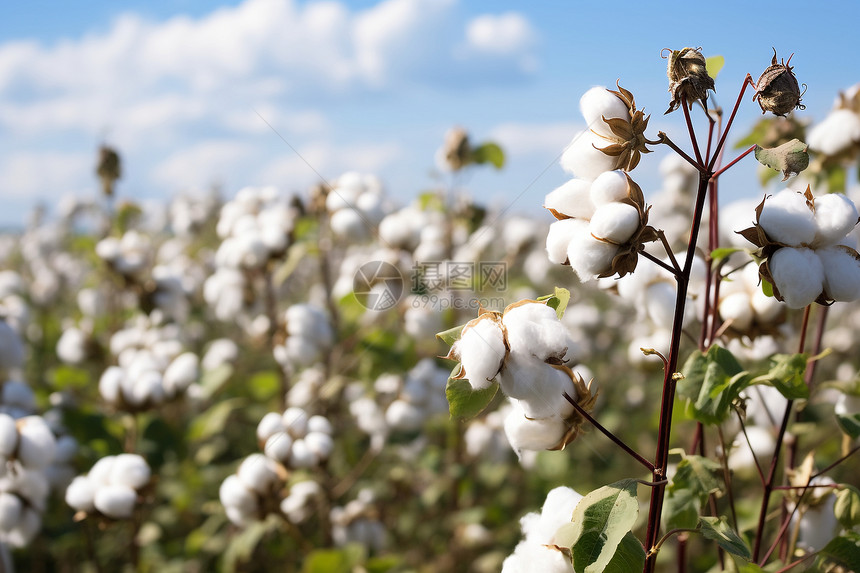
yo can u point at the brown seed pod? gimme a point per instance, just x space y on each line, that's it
777 89
688 77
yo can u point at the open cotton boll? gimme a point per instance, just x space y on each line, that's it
589 257
839 130
28 526
234 494
609 187
798 274
481 351
182 372
534 434
557 510
615 222
10 510
319 424
537 386
321 445
36 445
597 102
100 472
115 501
573 199
130 470
534 328
660 303
403 415
787 218
278 446
841 273
818 525
350 224
270 424
529 557
836 215
736 307
582 159
561 233
256 472
767 309
295 421
81 493
301 456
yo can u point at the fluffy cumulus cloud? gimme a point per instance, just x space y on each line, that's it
151 87
522 139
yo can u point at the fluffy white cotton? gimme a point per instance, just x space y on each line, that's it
535 434
786 218
181 373
403 415
835 215
257 472
660 303
534 328
589 257
220 351
481 350
561 233
841 273
10 510
81 493
736 307
609 187
538 387
71 347
742 458
614 222
116 501
278 446
798 274
269 425
818 525
234 493
839 130
583 159
597 103
36 445
573 198
130 470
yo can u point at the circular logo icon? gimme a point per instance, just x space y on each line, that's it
377 285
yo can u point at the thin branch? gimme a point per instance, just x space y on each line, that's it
749 444
618 441
691 131
748 81
837 462
665 140
721 170
659 263
727 478
662 235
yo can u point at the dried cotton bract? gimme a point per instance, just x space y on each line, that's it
688 78
777 90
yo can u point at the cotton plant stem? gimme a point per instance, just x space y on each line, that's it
748 81
695 143
270 301
769 482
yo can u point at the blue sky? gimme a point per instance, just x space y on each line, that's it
363 85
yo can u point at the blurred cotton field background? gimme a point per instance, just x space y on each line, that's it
232 234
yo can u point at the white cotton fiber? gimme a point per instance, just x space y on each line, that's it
836 215
534 328
614 222
736 308
839 130
798 274
559 237
609 187
598 102
589 257
481 349
786 218
526 434
572 199
584 159
841 273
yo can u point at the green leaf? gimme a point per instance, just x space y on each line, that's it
465 402
558 300
847 507
718 529
694 480
719 254
451 335
786 375
766 288
342 560
849 424
213 380
711 383
601 520
70 378
242 546
791 158
714 64
489 153
844 550
836 179
214 420
630 556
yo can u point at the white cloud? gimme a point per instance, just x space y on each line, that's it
506 33
201 165
45 174
327 160
521 139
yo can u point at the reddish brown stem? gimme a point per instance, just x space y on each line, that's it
748 81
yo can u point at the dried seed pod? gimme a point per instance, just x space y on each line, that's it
777 89
688 77
108 169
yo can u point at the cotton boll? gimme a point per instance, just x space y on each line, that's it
257 472
320 444
110 383
736 308
130 470
589 257
539 387
583 160
402 415
99 474
233 493
526 434
271 423
536 557
818 525
660 303
278 446
37 445
573 199
220 351
598 102
295 420
301 456
798 274
8 435
481 350
767 309
349 224
71 347
836 215
841 273
615 222
786 218
534 328
115 501
80 494
181 373
839 130
28 526
10 510
609 187
148 388
560 235
320 425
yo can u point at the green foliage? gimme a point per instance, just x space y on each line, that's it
714 64
342 560
695 479
790 158
712 381
723 252
242 546
488 153
718 529
558 300
786 375
451 335
844 550
213 380
465 402
847 507
849 424
601 521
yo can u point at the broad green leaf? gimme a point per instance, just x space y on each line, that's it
489 153
602 519
629 556
70 378
694 480
464 402
791 158
681 508
847 507
786 375
849 424
213 380
451 335
719 254
558 300
265 385
714 64
214 420
711 383
383 563
718 529
844 550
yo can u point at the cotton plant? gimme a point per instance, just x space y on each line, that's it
248 493
356 204
358 522
112 488
296 439
308 336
